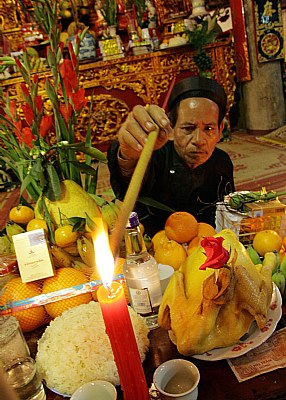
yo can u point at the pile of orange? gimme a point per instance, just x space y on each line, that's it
182 233
30 318
33 317
65 278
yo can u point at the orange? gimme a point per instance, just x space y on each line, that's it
194 243
118 270
31 318
181 226
159 238
267 240
21 214
65 278
36 223
205 229
170 253
65 236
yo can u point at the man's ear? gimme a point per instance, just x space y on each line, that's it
171 135
221 128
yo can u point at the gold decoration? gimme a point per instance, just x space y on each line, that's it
146 77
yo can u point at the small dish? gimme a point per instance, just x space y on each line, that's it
97 389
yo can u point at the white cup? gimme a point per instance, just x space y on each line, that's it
177 379
166 272
101 390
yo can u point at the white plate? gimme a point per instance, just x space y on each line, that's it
254 339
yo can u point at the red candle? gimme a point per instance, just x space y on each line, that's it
119 326
123 342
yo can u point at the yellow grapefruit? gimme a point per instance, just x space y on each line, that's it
267 240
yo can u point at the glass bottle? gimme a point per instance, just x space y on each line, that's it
142 274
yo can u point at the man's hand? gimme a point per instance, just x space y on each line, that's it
139 123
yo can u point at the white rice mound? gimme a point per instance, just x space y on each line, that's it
74 349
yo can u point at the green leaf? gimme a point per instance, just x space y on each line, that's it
92 151
93 183
153 203
54 186
99 201
49 221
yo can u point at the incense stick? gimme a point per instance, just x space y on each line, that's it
135 185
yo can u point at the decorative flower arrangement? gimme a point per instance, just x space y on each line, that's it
203 31
39 164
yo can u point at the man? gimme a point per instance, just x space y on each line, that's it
187 172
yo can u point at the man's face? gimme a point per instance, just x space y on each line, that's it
197 132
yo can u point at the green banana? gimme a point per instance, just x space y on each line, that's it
109 212
80 266
253 254
61 258
283 267
72 250
5 245
270 260
279 279
86 251
13 229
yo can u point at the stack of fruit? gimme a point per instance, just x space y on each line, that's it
267 241
69 224
181 235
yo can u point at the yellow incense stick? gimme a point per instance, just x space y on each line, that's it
135 184
132 192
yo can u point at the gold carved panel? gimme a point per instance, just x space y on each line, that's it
117 85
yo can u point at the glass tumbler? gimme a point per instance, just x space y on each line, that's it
23 377
12 341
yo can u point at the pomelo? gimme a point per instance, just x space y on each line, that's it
74 202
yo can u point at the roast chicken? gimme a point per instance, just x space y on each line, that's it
207 309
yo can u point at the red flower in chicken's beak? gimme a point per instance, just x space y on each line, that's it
216 254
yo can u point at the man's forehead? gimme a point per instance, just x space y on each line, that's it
200 103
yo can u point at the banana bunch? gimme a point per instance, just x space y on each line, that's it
110 212
279 277
253 255
5 245
86 251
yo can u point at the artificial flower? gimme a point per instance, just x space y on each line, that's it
216 254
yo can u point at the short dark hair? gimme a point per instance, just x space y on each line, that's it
195 86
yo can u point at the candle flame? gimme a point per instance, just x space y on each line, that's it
103 258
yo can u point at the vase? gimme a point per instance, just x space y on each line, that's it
198 8
112 30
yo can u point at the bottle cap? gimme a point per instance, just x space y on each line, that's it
133 220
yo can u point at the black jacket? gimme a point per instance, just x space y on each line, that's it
171 182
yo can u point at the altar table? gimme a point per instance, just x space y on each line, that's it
217 379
